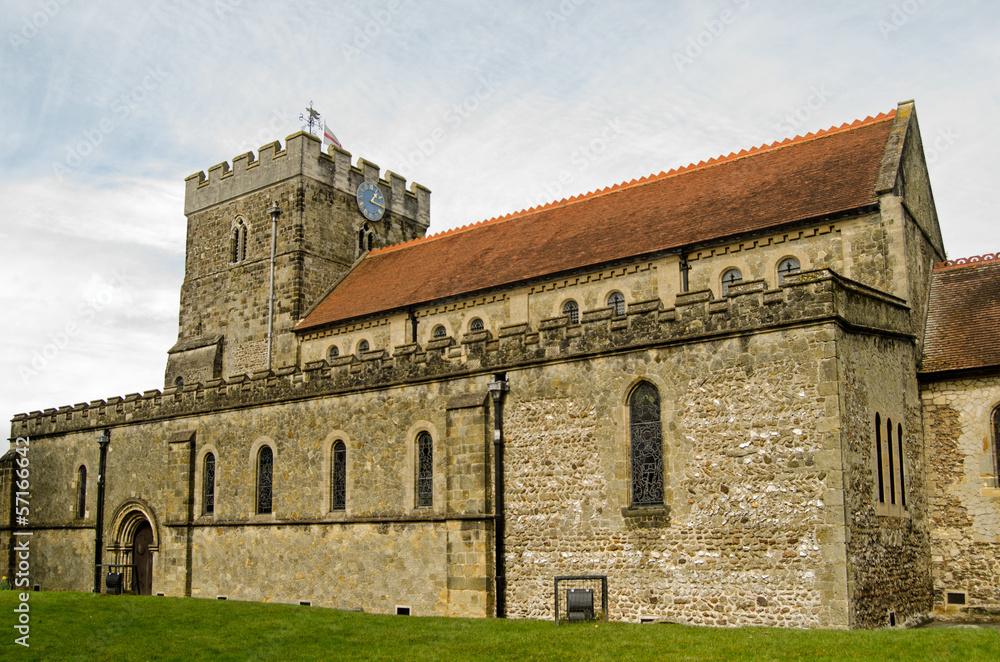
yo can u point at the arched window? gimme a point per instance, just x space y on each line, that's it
239 243
425 471
476 325
878 458
892 468
362 347
646 445
179 382
81 492
338 477
208 485
332 353
366 238
571 309
440 331
787 267
731 277
616 301
265 480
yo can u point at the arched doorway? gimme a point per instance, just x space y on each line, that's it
134 545
142 557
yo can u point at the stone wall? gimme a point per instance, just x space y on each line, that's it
964 494
887 544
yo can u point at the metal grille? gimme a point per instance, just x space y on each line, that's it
646 446
476 325
209 479
425 471
332 353
439 331
573 310
265 478
338 477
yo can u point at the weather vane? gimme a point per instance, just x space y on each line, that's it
311 118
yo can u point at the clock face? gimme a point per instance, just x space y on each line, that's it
370 201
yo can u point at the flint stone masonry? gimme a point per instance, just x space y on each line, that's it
964 496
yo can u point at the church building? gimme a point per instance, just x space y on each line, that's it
750 391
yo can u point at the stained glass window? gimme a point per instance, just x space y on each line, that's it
208 479
425 471
338 477
265 480
646 445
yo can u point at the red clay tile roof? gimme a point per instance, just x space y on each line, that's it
963 321
809 176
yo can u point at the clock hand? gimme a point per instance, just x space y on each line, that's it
375 202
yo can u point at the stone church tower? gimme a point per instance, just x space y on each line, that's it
314 202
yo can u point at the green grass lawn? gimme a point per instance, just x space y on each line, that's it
84 626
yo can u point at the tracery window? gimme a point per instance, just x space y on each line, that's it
730 277
208 485
616 301
81 492
646 445
440 331
571 309
332 353
476 325
239 242
787 267
425 471
265 480
338 477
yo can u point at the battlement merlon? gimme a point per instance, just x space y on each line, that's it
302 156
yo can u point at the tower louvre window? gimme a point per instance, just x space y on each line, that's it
239 243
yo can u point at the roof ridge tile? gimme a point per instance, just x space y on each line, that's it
766 147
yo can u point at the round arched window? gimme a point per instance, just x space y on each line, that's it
730 277
616 301
476 325
440 331
362 347
787 267
572 310
332 353
179 382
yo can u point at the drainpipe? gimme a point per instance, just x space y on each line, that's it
103 439
498 387
274 211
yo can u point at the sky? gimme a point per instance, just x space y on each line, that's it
105 108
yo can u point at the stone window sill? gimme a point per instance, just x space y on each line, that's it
661 510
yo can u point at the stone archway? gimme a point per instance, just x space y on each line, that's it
134 543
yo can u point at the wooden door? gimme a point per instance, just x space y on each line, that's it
142 557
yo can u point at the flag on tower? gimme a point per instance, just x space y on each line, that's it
329 138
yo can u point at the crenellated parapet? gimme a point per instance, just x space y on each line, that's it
813 297
302 155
